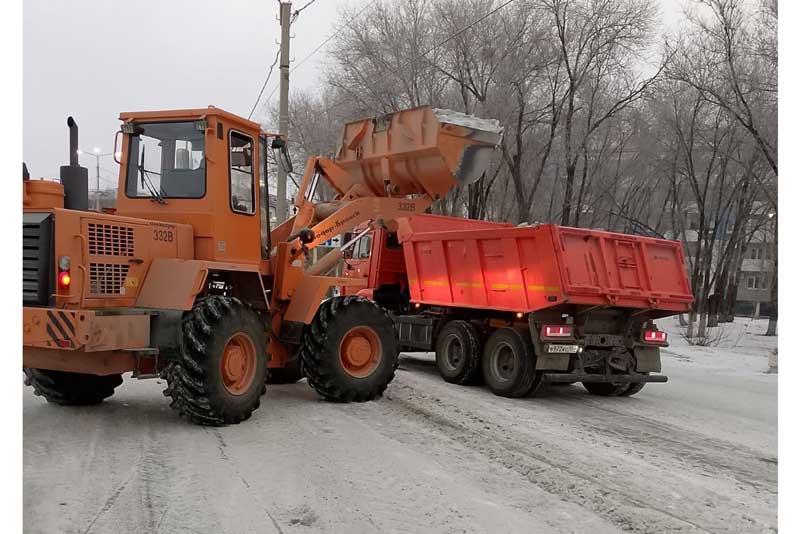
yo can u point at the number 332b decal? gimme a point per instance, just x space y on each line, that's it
163 235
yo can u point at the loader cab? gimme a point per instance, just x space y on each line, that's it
203 167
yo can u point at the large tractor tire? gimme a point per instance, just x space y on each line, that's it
458 353
221 374
509 364
289 374
71 389
349 352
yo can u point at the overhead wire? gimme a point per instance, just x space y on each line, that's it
326 41
264 85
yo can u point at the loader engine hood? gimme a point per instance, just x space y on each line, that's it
417 151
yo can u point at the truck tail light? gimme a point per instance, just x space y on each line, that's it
557 331
64 279
654 337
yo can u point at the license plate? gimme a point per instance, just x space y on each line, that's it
560 349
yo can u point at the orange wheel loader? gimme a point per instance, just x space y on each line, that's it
186 280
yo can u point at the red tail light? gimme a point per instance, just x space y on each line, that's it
64 279
557 331
655 337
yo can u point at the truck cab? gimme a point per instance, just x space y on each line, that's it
378 258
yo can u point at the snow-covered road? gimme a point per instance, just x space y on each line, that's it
698 454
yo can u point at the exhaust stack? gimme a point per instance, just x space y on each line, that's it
74 178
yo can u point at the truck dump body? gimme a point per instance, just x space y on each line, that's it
472 264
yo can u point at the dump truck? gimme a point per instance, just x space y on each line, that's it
520 308
186 280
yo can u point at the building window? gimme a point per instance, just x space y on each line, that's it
756 253
753 282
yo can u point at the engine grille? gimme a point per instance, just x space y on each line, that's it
107 278
110 240
36 258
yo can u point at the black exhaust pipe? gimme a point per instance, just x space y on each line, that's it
73 142
74 178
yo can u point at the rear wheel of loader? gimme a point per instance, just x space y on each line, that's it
458 353
221 374
349 352
71 389
509 364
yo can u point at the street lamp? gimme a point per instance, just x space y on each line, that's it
97 155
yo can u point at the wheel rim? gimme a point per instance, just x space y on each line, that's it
360 351
238 364
503 362
453 353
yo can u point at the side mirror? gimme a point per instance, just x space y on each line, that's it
282 156
117 153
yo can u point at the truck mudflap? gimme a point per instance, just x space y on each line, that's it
633 378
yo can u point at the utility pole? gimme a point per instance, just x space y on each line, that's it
283 125
97 155
97 194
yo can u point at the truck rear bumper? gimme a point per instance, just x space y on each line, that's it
616 379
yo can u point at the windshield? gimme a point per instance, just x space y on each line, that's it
167 160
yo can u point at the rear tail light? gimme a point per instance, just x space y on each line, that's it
655 337
557 331
64 279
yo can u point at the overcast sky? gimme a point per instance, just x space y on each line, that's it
93 59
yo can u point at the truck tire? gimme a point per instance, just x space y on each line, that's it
71 389
509 364
349 351
458 353
221 374
289 374
605 389
633 389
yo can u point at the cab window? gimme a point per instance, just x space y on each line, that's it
241 173
364 247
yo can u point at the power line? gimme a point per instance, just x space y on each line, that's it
326 41
294 15
264 85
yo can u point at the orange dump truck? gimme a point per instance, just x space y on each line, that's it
521 307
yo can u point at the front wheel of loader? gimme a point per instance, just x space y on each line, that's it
221 374
71 389
349 352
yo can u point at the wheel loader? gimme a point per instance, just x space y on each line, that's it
186 280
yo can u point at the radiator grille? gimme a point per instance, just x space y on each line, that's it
107 278
36 255
110 240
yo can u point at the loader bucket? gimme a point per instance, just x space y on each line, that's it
416 151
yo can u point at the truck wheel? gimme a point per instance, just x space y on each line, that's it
289 374
349 352
633 389
71 389
509 365
221 374
458 353
605 389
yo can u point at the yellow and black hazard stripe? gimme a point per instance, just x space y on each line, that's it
61 328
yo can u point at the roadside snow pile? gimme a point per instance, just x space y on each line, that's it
739 346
